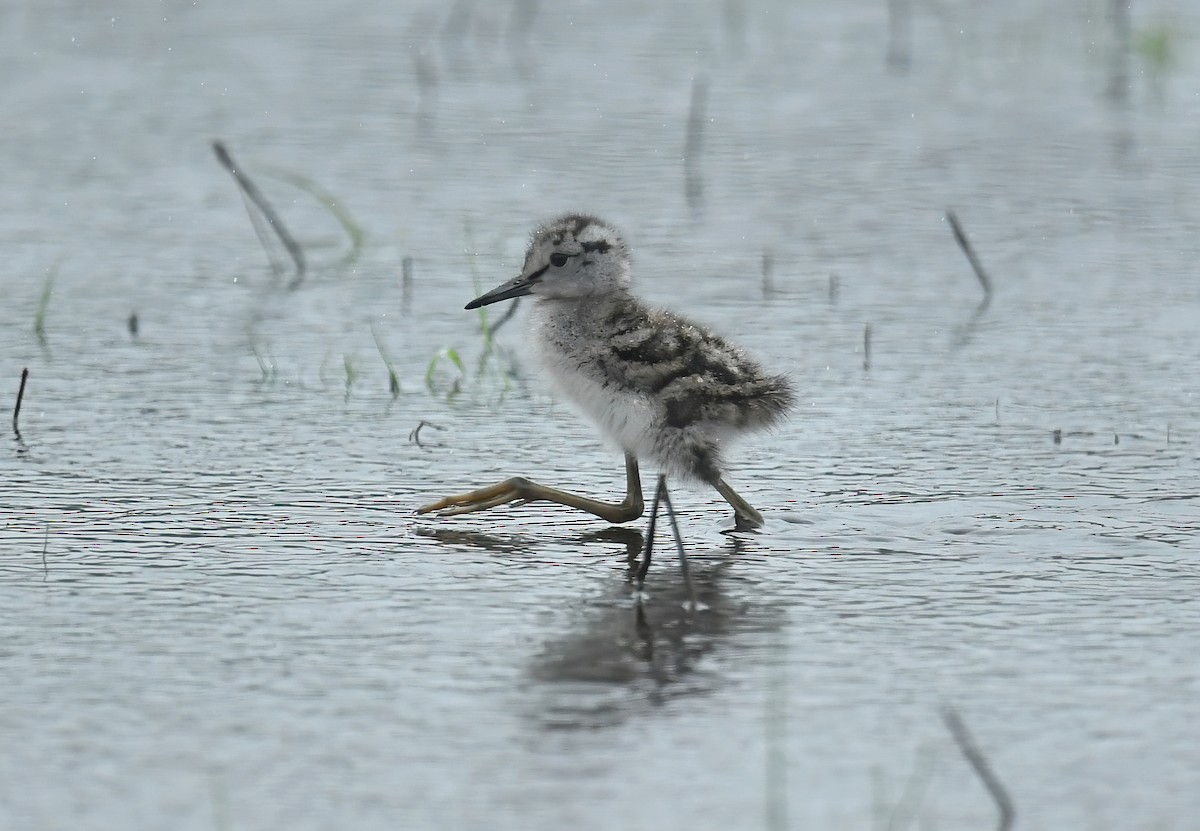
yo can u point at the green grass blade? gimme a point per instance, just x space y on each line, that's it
328 201
39 320
453 357
393 379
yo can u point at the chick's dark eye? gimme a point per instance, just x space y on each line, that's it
558 260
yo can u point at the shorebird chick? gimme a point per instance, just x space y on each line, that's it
660 387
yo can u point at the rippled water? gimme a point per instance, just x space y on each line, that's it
217 610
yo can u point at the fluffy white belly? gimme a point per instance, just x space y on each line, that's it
625 418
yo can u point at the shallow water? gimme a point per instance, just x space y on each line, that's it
217 611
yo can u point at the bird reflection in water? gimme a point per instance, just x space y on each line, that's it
629 651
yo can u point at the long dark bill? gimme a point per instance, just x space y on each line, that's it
516 287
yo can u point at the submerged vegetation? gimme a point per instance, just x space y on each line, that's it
446 372
393 379
338 209
39 320
260 210
261 214
494 369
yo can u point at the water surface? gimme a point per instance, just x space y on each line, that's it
218 609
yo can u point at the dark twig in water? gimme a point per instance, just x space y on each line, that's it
251 191
661 496
45 545
693 184
415 435
995 788
965 244
20 398
867 348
